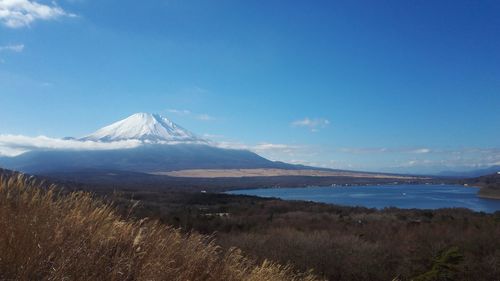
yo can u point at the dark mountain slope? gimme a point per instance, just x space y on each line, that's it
146 158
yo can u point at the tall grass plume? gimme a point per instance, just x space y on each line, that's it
47 235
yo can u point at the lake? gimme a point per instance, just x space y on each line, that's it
381 196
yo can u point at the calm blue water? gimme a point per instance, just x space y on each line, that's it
381 196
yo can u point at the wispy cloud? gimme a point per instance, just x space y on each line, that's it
272 146
263 146
179 111
378 150
204 117
420 150
12 145
313 124
21 13
185 112
17 48
273 151
275 147
213 136
461 159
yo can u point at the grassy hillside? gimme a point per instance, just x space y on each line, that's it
47 235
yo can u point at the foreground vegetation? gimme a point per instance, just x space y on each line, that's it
48 235
339 243
72 236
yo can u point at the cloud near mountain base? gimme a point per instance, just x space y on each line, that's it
13 145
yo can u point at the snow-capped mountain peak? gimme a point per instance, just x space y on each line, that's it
144 127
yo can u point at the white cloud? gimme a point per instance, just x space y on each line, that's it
398 159
12 48
452 159
270 146
261 147
213 136
272 151
375 150
421 151
412 163
21 13
275 147
232 145
313 124
9 151
204 117
363 150
12 145
179 111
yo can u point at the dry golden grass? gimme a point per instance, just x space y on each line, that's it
45 235
265 172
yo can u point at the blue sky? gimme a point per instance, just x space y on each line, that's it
410 86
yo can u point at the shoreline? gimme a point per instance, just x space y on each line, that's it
262 194
346 185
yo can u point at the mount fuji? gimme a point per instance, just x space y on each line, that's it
152 128
163 146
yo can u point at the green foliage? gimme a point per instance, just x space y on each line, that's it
444 267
